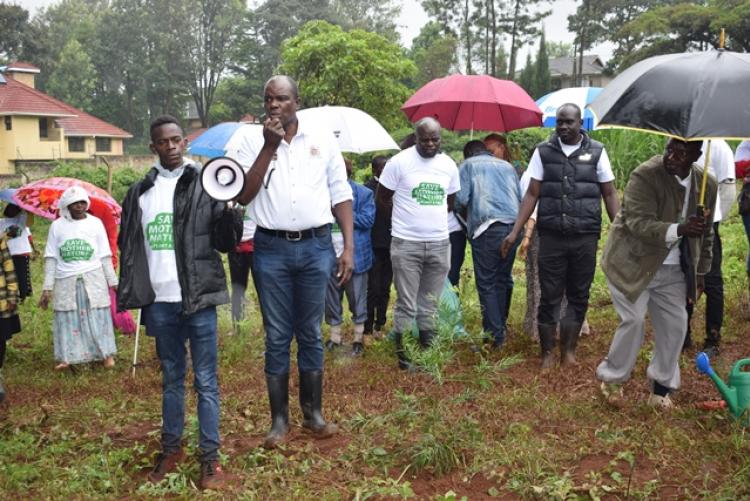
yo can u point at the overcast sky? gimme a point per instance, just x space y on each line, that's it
413 18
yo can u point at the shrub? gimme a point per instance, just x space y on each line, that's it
122 177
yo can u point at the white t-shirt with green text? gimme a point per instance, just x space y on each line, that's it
421 187
78 245
157 205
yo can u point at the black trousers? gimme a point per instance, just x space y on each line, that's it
714 292
379 280
240 266
566 267
458 253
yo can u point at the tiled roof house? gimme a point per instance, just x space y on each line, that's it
38 127
561 72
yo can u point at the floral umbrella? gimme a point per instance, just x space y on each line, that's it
41 197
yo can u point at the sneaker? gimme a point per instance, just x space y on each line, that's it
165 463
332 346
612 393
212 476
358 349
664 402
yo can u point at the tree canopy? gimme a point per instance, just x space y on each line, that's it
349 68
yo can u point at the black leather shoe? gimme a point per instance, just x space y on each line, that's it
332 346
358 349
712 351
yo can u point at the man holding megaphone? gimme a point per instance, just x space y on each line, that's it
296 176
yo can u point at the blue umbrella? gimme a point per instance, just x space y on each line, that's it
212 143
6 195
581 96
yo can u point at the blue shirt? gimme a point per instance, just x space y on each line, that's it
489 190
363 212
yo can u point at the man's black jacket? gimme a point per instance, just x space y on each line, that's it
202 226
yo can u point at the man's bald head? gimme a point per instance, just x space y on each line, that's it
294 89
570 108
428 137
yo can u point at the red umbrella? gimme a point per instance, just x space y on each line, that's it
474 102
41 197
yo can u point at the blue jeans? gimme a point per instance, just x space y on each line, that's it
172 330
291 278
494 280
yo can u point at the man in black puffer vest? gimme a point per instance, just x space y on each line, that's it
570 174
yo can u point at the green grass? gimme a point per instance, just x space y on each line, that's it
473 425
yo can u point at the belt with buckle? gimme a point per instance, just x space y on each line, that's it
296 236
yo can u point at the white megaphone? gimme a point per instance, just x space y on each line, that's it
223 179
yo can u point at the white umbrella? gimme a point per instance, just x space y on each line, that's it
356 131
580 96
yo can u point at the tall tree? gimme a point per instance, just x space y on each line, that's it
356 68
74 78
378 16
605 22
257 54
734 15
457 18
586 24
501 63
671 28
542 83
559 49
526 79
522 23
211 29
434 53
62 22
17 32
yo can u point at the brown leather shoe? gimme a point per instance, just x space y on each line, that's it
212 476
165 463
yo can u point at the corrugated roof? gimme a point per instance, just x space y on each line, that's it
19 99
194 135
22 66
592 65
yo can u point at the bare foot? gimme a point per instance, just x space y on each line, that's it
61 367
109 362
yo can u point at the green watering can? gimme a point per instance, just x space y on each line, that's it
737 393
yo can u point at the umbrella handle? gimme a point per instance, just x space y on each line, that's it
704 182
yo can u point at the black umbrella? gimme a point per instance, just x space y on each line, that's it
692 95
689 96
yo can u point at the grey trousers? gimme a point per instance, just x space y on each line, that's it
356 295
664 300
419 273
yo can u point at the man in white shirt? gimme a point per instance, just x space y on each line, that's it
570 174
295 186
721 166
420 184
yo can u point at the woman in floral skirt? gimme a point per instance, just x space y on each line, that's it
77 273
